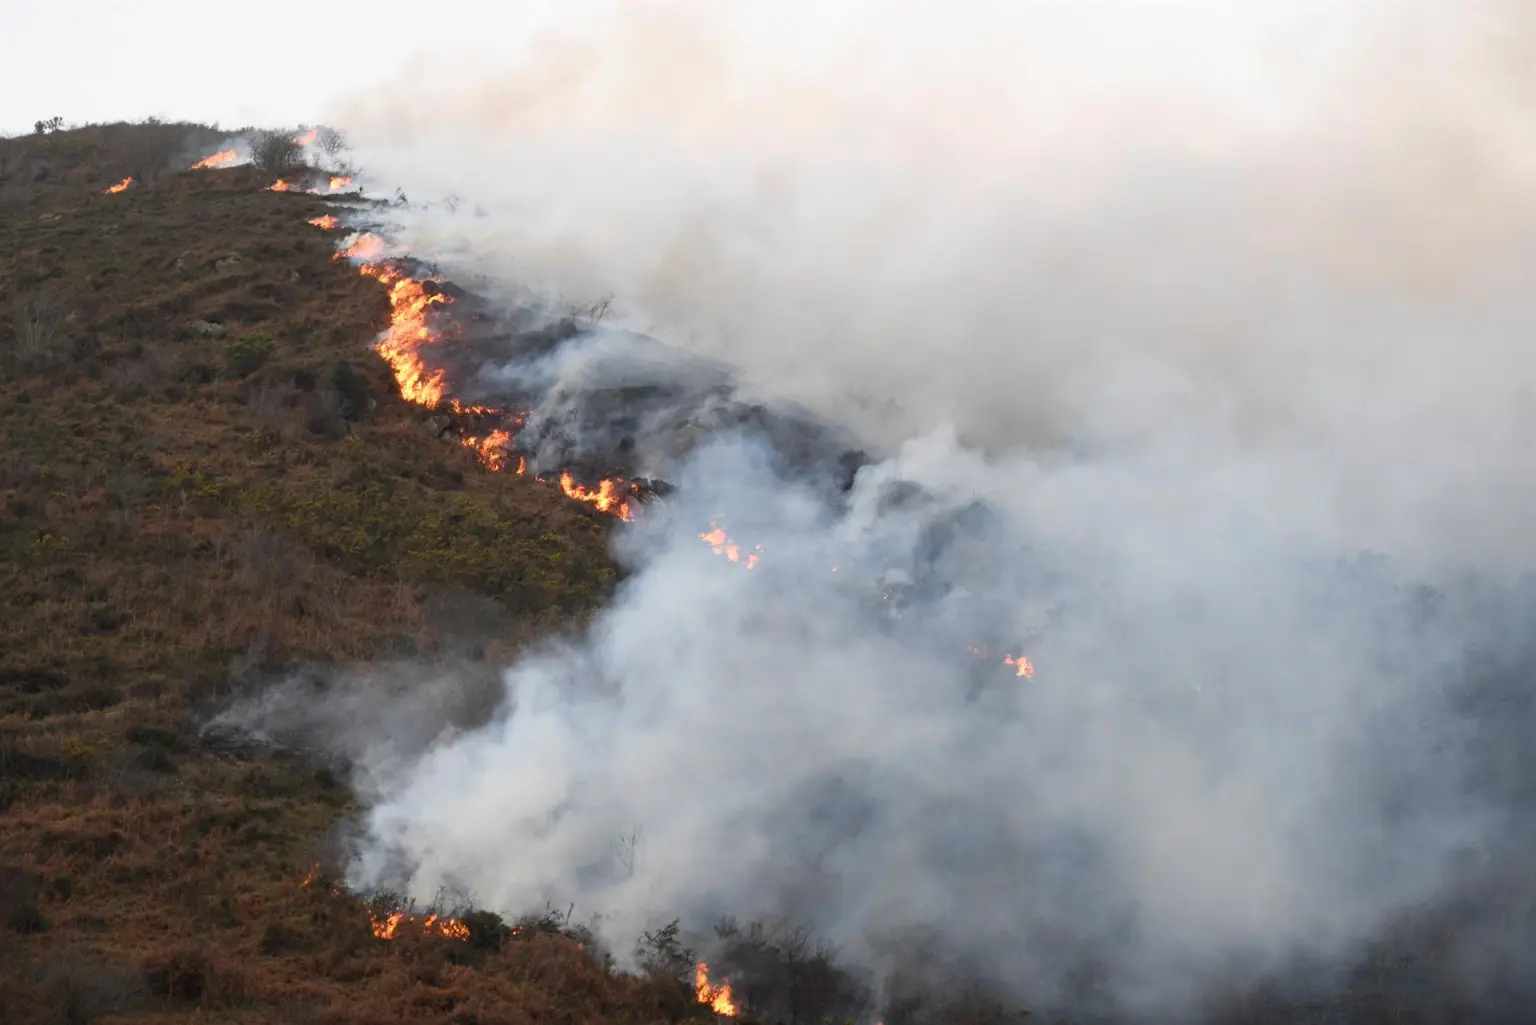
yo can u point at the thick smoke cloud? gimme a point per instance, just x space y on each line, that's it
1159 325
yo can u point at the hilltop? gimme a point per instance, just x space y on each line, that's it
209 478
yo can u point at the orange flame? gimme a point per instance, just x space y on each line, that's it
112 190
1021 666
223 158
408 330
605 498
492 450
367 248
340 181
388 928
721 544
308 138
410 303
327 222
280 186
717 998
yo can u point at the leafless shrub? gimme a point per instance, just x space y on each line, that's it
594 312
270 404
624 850
275 151
131 382
324 414
128 488
18 901
331 143
37 328
780 972
150 154
267 560
78 986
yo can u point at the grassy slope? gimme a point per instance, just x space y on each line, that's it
167 519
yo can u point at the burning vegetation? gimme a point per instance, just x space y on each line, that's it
716 998
418 322
389 927
112 190
223 158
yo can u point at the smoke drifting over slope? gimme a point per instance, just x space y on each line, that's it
1157 324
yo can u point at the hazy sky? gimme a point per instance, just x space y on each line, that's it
102 60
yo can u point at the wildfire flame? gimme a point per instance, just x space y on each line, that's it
308 138
410 303
492 450
224 158
367 248
327 222
390 927
717 998
112 190
340 182
605 499
281 186
721 544
1021 666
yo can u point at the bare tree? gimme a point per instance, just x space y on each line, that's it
624 849
332 143
275 151
39 317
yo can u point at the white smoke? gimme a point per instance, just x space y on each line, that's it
1197 301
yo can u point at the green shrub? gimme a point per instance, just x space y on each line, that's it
246 354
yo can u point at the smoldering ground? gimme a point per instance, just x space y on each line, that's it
1158 339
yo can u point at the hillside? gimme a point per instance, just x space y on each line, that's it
207 478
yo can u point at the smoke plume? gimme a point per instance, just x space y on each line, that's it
1160 327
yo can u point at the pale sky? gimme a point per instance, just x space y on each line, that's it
280 64
204 60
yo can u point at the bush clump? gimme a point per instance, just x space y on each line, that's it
18 901
246 354
275 151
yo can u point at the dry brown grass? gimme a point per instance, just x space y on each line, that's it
175 515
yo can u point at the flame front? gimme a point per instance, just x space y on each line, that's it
408 330
604 499
327 222
340 182
308 138
492 450
280 186
224 158
112 190
389 927
410 304
716 998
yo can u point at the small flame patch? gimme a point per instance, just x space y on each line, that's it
721 544
716 998
112 190
224 158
